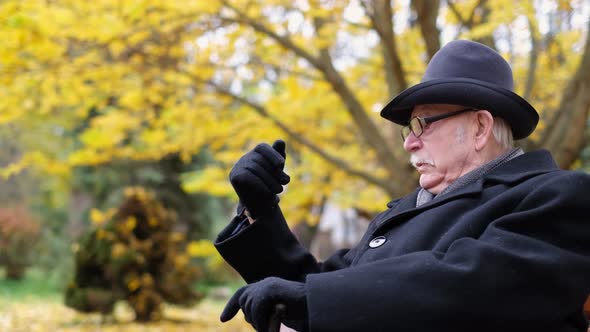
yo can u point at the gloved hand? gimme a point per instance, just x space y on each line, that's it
258 300
258 177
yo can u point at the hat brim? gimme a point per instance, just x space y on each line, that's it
520 115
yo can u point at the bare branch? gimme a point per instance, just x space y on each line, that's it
456 12
427 13
530 81
465 22
381 16
471 19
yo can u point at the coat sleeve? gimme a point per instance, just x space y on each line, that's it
268 248
528 271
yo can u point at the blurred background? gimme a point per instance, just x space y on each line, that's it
120 120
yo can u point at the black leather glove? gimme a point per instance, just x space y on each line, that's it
258 300
258 177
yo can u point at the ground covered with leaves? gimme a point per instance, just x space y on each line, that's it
47 313
36 304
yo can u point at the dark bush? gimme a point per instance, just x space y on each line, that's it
133 255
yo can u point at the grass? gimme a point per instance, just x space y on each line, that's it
36 284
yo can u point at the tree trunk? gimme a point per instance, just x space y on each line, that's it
80 202
565 136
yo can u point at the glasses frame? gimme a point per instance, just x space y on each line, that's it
423 122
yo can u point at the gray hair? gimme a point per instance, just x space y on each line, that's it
503 133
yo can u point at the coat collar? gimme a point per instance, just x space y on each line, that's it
516 170
523 167
407 205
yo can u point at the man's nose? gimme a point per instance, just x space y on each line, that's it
412 143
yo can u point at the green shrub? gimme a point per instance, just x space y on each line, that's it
133 254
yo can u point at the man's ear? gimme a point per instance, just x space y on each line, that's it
484 125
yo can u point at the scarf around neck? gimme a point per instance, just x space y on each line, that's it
424 196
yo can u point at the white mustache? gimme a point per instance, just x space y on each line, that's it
415 160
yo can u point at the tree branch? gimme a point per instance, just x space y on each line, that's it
427 13
257 62
456 12
242 18
381 17
530 81
465 22
323 63
390 187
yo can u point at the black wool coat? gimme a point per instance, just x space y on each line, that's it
510 252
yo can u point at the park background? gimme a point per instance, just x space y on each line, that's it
102 98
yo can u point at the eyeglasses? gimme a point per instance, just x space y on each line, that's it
417 124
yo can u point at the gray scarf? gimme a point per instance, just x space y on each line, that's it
424 196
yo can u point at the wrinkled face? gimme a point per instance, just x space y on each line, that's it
445 150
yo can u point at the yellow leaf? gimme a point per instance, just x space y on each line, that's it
97 217
118 249
116 47
201 248
212 180
133 284
130 223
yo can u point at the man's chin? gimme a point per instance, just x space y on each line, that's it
429 184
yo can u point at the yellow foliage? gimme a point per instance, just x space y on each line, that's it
101 234
181 261
132 99
49 314
89 82
13 168
36 159
565 5
177 237
97 217
201 248
133 284
118 249
147 280
154 136
153 222
212 180
481 30
130 223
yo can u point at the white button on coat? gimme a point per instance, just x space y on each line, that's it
377 242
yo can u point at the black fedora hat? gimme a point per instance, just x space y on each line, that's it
469 74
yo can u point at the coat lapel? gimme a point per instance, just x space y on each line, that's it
398 206
406 207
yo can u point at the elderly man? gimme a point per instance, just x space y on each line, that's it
494 239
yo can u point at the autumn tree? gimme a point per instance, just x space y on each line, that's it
106 80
